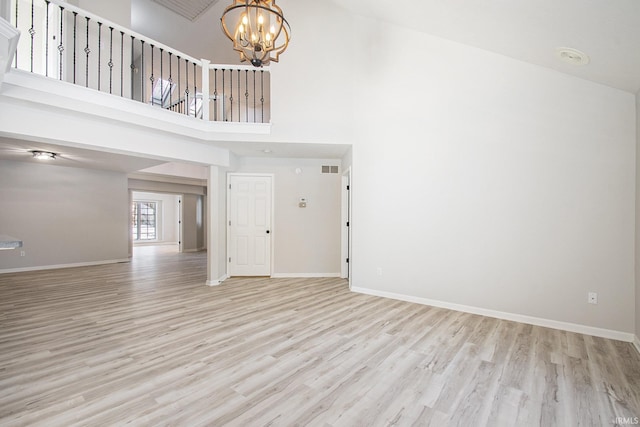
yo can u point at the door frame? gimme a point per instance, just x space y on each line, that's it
271 226
346 235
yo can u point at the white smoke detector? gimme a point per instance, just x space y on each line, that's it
572 56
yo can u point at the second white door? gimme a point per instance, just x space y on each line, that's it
250 225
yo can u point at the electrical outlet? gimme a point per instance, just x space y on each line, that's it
592 298
379 271
23 253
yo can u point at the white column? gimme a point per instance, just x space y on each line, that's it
205 89
214 221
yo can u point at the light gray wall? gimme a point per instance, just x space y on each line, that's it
306 240
193 238
492 183
202 38
63 215
638 217
118 11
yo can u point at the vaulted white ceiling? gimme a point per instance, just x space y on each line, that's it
189 9
608 31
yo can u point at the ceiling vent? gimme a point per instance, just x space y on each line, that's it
190 9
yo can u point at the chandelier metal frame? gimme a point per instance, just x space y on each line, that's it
260 34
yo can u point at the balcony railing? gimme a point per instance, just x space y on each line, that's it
67 43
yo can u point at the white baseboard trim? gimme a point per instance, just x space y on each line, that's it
193 250
58 266
217 282
537 321
303 275
139 244
636 343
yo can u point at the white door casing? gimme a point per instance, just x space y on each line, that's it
249 222
346 224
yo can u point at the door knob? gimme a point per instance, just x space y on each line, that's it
268 231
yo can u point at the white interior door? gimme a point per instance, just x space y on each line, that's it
250 225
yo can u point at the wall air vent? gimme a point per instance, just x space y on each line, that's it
330 169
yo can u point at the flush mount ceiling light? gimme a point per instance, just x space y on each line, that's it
43 155
258 31
572 56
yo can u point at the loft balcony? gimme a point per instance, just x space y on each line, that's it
66 43
66 58
73 78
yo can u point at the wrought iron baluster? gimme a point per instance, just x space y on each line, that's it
179 92
61 45
224 99
132 66
186 90
215 94
152 78
75 27
110 63
262 93
99 53
142 85
32 32
161 81
15 56
231 95
195 90
87 50
170 80
122 63
46 41
239 103
246 95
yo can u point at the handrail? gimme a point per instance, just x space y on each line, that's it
237 67
125 30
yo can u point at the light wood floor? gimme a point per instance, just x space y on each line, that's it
147 343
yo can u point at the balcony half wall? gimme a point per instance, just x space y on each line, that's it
38 108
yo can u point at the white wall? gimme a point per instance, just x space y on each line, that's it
118 11
185 170
492 183
63 215
202 38
313 84
169 214
306 240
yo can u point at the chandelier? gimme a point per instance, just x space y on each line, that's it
260 33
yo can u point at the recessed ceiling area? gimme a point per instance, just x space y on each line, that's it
190 9
21 151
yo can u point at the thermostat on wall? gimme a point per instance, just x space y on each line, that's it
302 203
